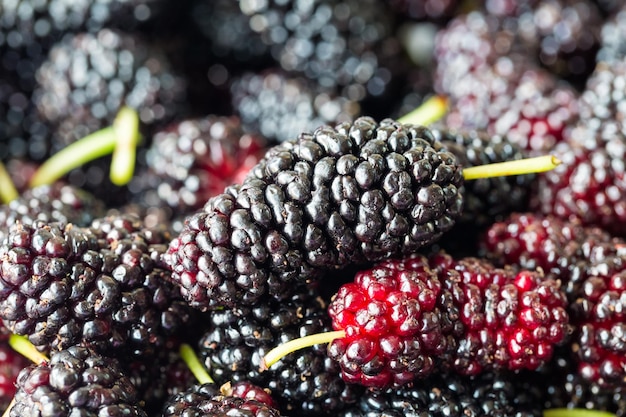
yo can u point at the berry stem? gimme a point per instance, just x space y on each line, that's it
575 412
93 146
428 112
126 126
24 347
195 366
8 192
279 351
518 167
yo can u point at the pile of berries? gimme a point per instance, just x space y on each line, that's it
230 208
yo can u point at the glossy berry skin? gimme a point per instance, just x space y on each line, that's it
512 320
565 36
590 184
104 287
11 363
75 381
404 319
599 318
565 387
562 248
488 199
73 83
361 191
279 106
393 326
207 401
492 86
305 382
58 202
195 159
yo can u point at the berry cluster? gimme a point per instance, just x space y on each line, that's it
332 208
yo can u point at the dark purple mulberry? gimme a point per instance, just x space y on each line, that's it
76 381
306 382
104 286
354 193
207 401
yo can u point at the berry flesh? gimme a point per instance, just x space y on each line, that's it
76 381
354 193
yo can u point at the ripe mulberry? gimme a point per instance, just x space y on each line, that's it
76 381
355 193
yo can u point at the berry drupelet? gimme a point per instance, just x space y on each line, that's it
76 381
590 184
513 319
85 81
279 106
11 363
564 387
304 383
488 199
598 315
58 202
493 86
195 159
359 192
158 377
208 401
103 286
401 320
88 77
563 249
565 35
446 395
348 45
394 327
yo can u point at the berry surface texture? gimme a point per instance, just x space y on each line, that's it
313 208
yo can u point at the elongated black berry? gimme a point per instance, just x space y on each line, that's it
338 196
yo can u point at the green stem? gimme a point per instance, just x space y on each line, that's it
516 167
93 146
427 113
8 192
286 348
195 366
126 127
23 346
575 412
